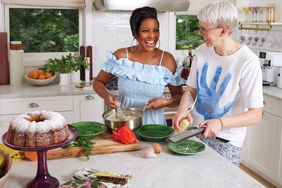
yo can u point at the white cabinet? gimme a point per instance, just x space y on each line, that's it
262 151
10 108
23 105
73 107
88 108
279 170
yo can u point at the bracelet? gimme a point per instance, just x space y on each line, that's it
221 122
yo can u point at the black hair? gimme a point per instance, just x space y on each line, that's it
139 15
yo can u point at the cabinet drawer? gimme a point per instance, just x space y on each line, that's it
23 105
271 105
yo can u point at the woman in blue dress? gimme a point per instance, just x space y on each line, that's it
143 71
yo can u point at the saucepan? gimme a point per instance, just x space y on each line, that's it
116 118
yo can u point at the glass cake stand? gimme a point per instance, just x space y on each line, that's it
43 178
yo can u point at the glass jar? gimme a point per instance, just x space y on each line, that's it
16 45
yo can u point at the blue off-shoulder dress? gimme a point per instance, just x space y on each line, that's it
138 83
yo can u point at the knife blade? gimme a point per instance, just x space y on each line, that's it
186 134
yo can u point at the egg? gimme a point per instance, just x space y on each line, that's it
157 148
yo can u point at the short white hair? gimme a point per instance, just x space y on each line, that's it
220 13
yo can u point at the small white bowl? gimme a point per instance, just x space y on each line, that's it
39 82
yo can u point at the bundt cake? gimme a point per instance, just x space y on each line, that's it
37 129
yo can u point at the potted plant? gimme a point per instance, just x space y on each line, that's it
64 67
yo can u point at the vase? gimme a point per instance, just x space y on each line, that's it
65 79
75 77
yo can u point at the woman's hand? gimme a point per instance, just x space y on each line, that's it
180 115
157 103
213 127
112 102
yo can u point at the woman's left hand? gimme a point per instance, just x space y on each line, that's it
156 103
212 127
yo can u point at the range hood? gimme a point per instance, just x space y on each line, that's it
129 5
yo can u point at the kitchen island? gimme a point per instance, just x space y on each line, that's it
167 170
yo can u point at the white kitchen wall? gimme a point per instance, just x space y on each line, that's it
112 31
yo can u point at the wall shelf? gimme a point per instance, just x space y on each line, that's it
258 25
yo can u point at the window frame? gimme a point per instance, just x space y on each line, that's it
179 54
37 59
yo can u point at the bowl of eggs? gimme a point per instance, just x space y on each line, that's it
39 78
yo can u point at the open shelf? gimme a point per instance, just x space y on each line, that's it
258 25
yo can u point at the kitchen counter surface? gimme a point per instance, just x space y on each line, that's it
206 169
273 91
23 91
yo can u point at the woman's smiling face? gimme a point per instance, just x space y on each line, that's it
149 34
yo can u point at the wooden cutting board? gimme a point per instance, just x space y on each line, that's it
103 144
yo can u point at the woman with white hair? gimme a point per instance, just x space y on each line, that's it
226 82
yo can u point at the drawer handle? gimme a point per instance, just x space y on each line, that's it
264 102
89 97
33 105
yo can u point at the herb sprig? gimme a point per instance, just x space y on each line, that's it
86 143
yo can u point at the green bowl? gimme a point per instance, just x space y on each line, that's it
89 129
186 147
154 132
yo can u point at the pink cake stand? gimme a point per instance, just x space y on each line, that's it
43 178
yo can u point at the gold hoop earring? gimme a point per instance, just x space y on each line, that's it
159 43
133 48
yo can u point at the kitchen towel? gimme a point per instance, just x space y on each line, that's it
4 64
16 67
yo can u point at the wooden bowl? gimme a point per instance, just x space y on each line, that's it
7 167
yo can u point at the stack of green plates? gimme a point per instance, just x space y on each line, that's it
89 129
186 147
154 132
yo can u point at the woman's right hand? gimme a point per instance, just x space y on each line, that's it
112 102
179 116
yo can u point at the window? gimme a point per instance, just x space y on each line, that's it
187 32
45 30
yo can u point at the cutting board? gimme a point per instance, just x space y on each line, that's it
103 144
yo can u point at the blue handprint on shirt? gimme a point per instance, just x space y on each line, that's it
208 98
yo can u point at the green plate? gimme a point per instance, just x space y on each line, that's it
186 147
154 132
89 129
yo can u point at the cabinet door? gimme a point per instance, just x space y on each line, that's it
6 119
263 140
24 105
88 108
4 124
280 153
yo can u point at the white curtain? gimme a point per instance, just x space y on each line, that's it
47 3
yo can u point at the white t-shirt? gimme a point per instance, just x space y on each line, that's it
226 85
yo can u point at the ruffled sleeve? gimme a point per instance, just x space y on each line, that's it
125 68
176 78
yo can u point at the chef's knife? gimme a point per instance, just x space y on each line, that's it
186 134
